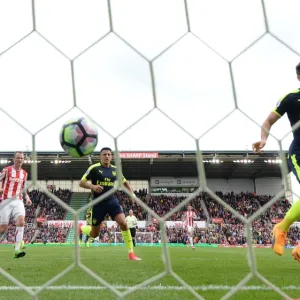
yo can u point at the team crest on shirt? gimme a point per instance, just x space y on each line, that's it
114 173
94 221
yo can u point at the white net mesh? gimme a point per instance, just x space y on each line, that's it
227 60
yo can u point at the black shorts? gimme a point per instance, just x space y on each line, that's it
132 231
110 206
294 163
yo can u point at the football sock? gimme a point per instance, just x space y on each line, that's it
19 237
191 241
86 229
127 240
291 216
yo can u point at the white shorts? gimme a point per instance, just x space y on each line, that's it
190 229
11 208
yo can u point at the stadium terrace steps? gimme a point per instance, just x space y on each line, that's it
77 201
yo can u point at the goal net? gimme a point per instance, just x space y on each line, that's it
221 75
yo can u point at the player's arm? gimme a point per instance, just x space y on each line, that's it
128 187
2 177
26 197
87 185
273 117
267 124
24 192
183 217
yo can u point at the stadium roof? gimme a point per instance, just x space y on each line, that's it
60 166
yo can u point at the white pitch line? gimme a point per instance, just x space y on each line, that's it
155 287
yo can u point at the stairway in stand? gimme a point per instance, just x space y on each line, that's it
77 201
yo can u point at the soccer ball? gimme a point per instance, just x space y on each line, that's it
79 137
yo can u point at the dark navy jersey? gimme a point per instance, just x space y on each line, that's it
100 175
290 104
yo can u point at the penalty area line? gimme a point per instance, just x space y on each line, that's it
154 287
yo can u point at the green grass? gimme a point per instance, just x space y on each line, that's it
202 267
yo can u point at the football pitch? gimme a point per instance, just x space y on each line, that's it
210 271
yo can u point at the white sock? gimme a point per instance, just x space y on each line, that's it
191 241
2 235
19 237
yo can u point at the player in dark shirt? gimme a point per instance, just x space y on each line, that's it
103 176
289 104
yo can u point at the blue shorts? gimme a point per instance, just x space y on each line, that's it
293 160
110 206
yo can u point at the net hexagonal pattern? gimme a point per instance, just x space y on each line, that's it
225 61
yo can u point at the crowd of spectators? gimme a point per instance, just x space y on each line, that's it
51 234
45 208
51 209
227 230
230 230
128 204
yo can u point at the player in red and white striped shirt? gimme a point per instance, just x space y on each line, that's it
189 218
12 192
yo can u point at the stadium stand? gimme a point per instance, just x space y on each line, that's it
228 231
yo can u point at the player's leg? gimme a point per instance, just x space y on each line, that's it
120 219
18 213
93 230
280 230
186 237
116 213
80 238
23 245
86 239
133 232
88 217
5 211
190 232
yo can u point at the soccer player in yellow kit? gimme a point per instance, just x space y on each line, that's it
289 104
